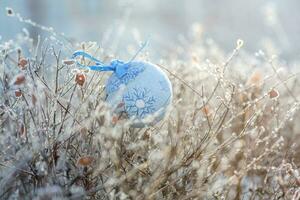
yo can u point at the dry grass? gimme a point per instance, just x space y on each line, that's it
232 131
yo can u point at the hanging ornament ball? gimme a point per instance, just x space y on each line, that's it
139 90
142 92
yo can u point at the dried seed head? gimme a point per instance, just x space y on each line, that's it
114 120
239 43
84 130
10 12
80 79
22 63
255 78
242 97
85 161
273 94
20 79
18 93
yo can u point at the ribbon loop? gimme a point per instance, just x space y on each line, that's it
117 66
86 55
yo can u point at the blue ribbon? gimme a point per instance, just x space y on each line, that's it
117 66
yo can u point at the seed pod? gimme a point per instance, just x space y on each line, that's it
18 93
85 161
206 110
80 79
33 99
20 79
273 94
22 63
22 130
68 62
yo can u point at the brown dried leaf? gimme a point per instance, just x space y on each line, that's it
20 79
85 161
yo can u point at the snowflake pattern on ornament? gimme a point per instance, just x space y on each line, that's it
114 82
139 102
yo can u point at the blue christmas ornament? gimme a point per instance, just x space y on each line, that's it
140 90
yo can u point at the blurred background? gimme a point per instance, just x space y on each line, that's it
260 23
